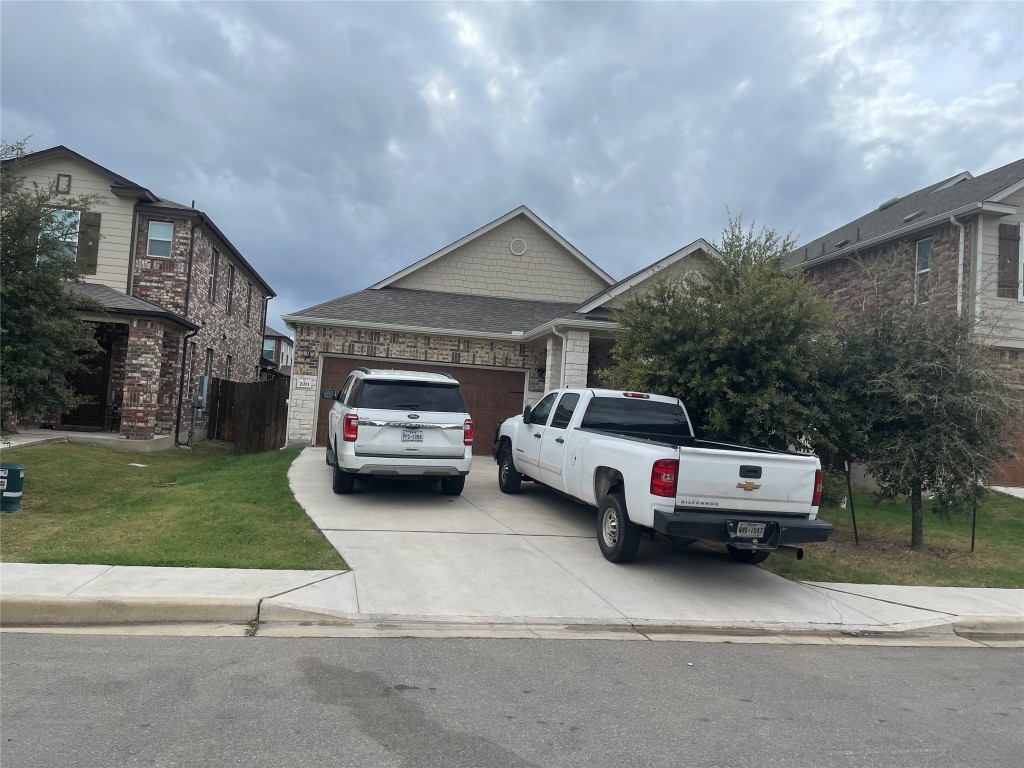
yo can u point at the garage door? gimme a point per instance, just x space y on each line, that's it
491 395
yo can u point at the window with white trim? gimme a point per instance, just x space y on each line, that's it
922 277
158 244
211 292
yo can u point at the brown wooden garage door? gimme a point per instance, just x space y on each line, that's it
491 395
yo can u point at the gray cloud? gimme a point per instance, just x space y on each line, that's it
336 143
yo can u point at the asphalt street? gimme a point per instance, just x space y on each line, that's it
192 701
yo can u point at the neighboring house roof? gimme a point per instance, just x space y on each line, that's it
433 312
151 202
962 194
522 210
114 303
641 275
274 333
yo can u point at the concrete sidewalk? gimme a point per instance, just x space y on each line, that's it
486 564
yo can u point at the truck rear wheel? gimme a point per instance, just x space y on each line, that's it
509 479
748 555
617 535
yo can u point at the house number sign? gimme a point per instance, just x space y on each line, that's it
303 383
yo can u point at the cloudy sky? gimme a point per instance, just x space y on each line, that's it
336 143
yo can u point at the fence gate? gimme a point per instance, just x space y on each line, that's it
252 415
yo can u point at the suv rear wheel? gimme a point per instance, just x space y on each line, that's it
342 482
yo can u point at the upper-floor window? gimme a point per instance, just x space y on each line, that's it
61 228
227 367
248 301
269 346
1010 284
160 235
230 289
211 293
924 269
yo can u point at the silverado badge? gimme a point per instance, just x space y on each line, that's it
748 486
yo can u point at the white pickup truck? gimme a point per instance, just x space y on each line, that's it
633 455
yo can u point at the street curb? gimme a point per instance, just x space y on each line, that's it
36 611
989 626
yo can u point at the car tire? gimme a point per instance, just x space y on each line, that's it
453 485
750 556
509 478
342 482
617 535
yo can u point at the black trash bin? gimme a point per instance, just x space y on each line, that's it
12 482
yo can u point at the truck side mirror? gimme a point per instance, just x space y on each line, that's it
327 394
526 414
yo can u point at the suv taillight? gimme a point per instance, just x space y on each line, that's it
819 482
663 477
467 432
350 428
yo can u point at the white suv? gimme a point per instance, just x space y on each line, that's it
399 423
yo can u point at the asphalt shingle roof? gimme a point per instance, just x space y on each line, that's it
931 201
435 309
118 303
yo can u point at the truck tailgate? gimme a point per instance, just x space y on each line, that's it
747 481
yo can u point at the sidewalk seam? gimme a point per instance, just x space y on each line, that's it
105 571
878 599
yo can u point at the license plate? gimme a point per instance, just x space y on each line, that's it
412 436
752 530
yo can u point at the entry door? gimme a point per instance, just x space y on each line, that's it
552 444
91 382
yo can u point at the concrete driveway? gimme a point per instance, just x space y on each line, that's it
533 556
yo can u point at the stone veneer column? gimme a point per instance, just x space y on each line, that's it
142 379
577 358
553 364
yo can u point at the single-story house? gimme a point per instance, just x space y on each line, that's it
510 310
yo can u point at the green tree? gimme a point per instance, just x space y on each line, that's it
743 344
41 338
926 404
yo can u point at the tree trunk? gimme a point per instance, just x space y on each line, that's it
916 518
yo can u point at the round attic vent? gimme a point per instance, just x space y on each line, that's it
517 246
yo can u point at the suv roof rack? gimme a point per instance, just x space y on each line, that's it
363 368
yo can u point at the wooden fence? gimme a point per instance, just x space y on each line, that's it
252 415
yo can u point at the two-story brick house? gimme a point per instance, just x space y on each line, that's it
177 301
958 240
278 349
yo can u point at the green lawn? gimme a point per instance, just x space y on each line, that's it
884 555
200 508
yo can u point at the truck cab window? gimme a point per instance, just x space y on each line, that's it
540 414
564 411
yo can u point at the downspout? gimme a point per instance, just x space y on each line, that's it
184 344
959 268
561 370
980 225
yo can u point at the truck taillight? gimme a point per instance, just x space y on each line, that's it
819 482
663 477
467 432
350 428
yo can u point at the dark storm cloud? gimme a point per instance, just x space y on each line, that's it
336 143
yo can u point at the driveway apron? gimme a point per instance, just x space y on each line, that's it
531 556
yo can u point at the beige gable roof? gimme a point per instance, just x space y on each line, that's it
517 256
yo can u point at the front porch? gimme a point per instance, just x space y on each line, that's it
572 358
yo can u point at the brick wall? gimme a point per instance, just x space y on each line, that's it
164 281
396 346
142 372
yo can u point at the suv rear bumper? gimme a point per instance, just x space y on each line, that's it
779 530
425 467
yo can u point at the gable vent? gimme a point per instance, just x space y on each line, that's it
912 216
888 203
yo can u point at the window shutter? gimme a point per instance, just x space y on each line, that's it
89 243
1009 260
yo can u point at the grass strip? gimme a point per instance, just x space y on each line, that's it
884 555
199 508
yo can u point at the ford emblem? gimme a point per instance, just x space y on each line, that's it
414 415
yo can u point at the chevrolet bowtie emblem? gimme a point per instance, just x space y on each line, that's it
748 486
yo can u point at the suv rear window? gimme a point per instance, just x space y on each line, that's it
411 395
640 417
